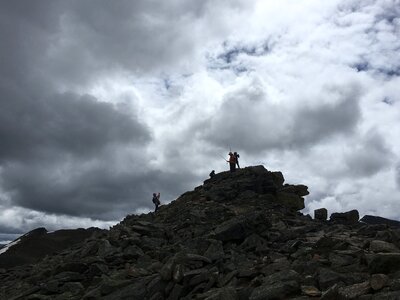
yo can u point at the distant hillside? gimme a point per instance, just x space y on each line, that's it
238 236
36 244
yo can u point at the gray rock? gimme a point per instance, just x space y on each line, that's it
378 281
350 217
287 275
74 288
381 246
278 290
384 263
331 294
395 295
321 214
354 291
327 278
176 292
215 251
310 291
292 201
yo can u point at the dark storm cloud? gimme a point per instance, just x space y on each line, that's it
8 231
6 237
100 191
71 43
51 149
62 124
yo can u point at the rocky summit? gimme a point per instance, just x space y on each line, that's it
238 236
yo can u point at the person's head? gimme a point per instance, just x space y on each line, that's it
230 153
234 153
154 194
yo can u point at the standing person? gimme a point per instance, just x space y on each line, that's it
237 158
232 162
156 200
212 174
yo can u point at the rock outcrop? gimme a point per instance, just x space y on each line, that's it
36 244
237 236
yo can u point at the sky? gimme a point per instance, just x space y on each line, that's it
103 103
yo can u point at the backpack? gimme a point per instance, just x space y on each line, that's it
156 200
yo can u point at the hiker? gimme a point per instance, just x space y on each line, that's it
232 162
237 158
212 174
156 200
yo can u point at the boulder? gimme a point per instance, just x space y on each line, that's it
354 291
327 278
381 246
378 281
384 263
278 290
350 217
321 214
290 200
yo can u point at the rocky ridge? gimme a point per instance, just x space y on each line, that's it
36 244
238 236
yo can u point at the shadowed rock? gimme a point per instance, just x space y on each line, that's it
238 236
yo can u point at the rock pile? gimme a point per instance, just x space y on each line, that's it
237 236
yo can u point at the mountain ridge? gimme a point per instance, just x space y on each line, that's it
238 236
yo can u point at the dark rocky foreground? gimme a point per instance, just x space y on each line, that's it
36 244
238 236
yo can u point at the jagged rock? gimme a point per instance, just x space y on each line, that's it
384 263
381 246
321 214
350 217
238 229
327 278
300 189
237 236
73 288
38 243
292 201
278 290
354 291
368 219
215 251
331 294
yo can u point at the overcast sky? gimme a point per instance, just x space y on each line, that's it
103 103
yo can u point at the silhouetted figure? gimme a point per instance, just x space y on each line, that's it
212 174
156 200
237 158
232 162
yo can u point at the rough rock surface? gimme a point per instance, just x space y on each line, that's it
38 243
237 236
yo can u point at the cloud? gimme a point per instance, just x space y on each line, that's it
64 124
369 156
102 104
398 176
249 119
